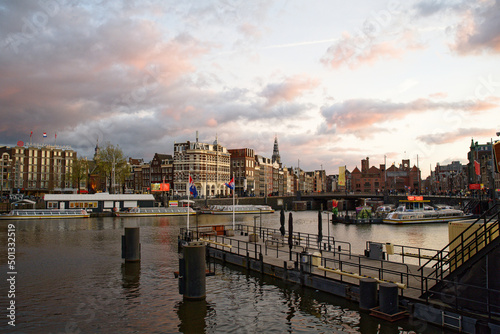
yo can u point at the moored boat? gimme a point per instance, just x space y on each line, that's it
416 210
46 214
152 212
238 209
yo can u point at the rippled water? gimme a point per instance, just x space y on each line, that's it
71 279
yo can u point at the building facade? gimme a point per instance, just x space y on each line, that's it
37 169
243 170
374 180
209 165
485 177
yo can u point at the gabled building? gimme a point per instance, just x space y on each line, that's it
374 180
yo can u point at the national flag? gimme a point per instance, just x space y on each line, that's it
230 185
45 135
477 167
31 134
192 187
56 135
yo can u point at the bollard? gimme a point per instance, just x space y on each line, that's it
388 298
131 247
194 271
367 293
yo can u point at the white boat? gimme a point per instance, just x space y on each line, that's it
46 214
238 209
418 211
152 212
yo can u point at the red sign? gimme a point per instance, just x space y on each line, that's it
474 186
411 198
20 143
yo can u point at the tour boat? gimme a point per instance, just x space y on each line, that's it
238 209
416 210
46 214
151 212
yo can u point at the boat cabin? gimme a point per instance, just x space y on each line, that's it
100 202
414 203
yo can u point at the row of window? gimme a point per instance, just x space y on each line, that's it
82 205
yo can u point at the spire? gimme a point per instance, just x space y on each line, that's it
96 151
276 151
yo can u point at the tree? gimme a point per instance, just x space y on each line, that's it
80 171
112 165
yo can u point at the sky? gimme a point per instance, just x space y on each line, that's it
335 81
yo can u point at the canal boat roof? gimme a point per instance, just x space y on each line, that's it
99 197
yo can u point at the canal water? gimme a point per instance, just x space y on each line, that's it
71 279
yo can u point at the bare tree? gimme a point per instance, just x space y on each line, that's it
80 171
112 165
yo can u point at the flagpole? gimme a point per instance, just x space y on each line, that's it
188 191
233 201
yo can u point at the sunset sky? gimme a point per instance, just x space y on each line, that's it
336 81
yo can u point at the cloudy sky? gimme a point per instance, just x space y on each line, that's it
336 81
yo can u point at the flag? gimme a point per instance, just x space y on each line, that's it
192 187
230 185
45 135
477 167
56 135
31 134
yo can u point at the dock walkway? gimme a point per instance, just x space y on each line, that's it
334 262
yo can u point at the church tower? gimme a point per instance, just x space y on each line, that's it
276 152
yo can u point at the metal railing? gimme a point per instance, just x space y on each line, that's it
464 241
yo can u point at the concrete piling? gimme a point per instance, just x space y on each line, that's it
192 271
131 246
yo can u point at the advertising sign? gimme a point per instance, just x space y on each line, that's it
342 176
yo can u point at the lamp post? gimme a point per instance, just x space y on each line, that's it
328 224
493 187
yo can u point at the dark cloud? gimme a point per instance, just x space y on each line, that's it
478 27
479 30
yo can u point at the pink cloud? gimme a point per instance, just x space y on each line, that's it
211 123
438 95
357 114
288 90
358 50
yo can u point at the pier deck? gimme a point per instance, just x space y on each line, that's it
338 266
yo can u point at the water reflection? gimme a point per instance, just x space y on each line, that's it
131 274
192 315
71 271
